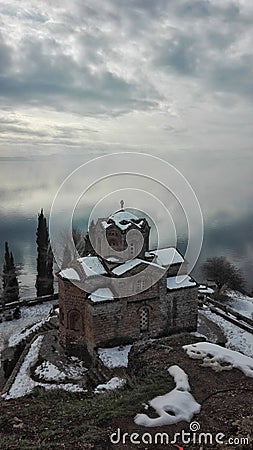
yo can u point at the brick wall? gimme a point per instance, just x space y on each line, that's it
92 324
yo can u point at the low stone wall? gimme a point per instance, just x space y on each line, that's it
29 301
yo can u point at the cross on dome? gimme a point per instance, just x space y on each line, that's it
122 204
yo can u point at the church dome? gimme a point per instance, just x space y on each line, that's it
124 219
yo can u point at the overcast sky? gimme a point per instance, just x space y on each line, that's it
148 75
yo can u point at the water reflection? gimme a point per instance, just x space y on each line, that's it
27 186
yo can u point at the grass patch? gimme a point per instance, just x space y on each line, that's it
53 417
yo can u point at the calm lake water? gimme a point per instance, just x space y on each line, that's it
27 186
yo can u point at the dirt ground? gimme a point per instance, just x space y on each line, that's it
53 421
226 400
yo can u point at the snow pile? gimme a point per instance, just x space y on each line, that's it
219 358
114 357
24 384
176 406
113 383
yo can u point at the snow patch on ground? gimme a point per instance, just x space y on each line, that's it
240 303
220 358
18 337
237 338
24 384
113 383
10 331
47 371
176 406
115 356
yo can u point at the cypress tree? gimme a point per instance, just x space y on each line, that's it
10 281
45 278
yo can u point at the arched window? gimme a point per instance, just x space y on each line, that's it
75 320
144 320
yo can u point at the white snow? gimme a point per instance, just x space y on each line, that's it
113 383
115 356
128 265
105 224
125 216
180 281
237 338
12 332
101 294
215 356
112 259
176 406
70 274
241 303
92 265
203 289
24 384
16 338
49 372
167 256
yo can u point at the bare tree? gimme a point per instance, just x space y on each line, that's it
220 270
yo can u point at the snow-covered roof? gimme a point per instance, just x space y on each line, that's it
167 256
124 219
70 274
105 224
128 265
180 281
101 294
119 270
92 265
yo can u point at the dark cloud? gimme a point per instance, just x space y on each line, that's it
91 74
180 53
204 9
5 56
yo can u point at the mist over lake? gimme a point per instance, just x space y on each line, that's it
29 185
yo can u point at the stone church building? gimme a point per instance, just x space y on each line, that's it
124 291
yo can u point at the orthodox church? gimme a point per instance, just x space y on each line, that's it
124 291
